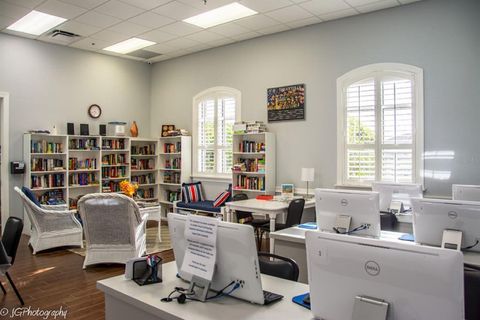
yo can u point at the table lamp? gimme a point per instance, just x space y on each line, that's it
308 175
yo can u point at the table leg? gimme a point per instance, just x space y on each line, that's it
160 230
272 229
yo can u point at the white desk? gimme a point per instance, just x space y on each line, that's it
125 300
291 243
270 208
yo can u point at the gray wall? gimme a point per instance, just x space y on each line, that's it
52 85
440 36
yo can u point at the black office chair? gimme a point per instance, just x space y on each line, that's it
294 217
472 292
10 240
278 266
247 217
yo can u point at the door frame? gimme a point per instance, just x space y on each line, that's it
5 143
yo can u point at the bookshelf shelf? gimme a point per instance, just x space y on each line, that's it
115 165
48 154
170 153
167 169
47 189
83 170
49 171
143 170
250 173
84 186
248 190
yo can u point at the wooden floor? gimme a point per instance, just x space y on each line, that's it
55 278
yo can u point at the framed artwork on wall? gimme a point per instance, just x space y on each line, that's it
286 103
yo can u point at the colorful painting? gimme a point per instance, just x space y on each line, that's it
286 103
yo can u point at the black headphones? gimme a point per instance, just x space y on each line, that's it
181 298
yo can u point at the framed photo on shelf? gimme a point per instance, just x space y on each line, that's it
286 103
166 128
288 190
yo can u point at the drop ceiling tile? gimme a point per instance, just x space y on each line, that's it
200 47
25 3
161 48
258 21
181 43
180 28
157 36
178 53
211 4
355 3
86 4
146 4
379 5
289 14
245 36
274 29
161 57
57 40
13 11
338 14
109 36
128 28
229 29
90 44
119 9
221 42
6 21
60 9
151 20
265 5
78 28
304 22
407 1
205 36
324 6
301 1
177 10
98 19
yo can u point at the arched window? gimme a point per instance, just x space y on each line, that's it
215 110
380 124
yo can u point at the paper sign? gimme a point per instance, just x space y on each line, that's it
201 250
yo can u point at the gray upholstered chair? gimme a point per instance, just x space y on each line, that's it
50 227
114 228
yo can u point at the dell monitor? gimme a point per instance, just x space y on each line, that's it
342 209
237 257
393 196
349 276
465 192
431 217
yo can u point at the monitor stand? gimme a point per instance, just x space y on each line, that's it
452 239
369 308
204 284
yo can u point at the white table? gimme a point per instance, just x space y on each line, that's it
153 213
125 300
270 208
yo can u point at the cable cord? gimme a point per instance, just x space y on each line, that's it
183 295
472 246
359 228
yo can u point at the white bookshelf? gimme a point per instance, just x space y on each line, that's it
144 167
258 176
174 169
115 162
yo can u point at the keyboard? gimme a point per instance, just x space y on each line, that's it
270 297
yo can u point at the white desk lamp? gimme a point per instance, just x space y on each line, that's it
308 175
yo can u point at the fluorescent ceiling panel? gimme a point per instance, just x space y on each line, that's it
227 13
36 23
129 45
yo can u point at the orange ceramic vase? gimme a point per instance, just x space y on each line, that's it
134 129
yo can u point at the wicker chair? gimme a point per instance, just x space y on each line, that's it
51 228
114 228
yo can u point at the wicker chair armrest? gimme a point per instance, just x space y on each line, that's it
56 207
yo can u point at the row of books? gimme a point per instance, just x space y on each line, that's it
114 172
114 159
249 127
48 181
41 164
51 197
143 150
113 144
75 164
251 146
147 193
82 179
249 165
144 178
173 195
175 163
143 164
252 183
111 186
172 147
171 177
43 146
83 144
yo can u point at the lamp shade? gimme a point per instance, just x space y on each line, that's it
308 174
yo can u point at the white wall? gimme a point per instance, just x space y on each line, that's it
52 85
440 36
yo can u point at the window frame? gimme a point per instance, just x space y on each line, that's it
212 93
379 71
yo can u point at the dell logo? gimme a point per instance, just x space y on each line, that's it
372 268
344 202
452 215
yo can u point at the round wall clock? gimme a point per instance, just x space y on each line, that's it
94 111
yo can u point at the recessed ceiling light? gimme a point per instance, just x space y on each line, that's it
230 12
36 23
129 45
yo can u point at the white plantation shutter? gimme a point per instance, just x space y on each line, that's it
216 114
378 127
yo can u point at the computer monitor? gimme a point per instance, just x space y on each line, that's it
360 206
237 257
400 192
417 282
465 192
432 216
